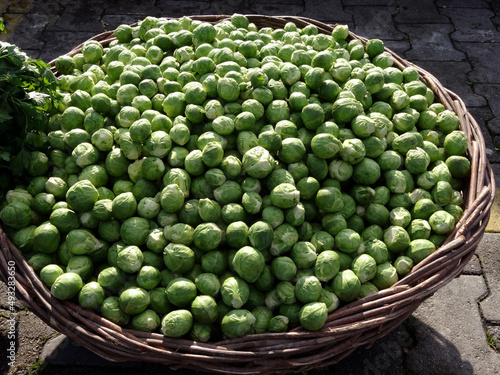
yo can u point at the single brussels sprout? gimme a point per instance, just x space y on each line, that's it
176 323
396 239
403 265
400 216
207 236
442 193
130 259
237 323
308 289
364 267
172 198
208 284
348 240
423 209
353 151
66 286
283 268
386 276
178 258
50 273
278 323
258 162
82 265
110 309
346 285
417 160
248 263
284 238
304 254
148 277
111 278
263 315
235 292
16 215
147 321
46 238
204 309
181 291
313 315
366 172
91 296
82 195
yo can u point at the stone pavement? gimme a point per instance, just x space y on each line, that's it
458 41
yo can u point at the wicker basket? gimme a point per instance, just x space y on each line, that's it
358 324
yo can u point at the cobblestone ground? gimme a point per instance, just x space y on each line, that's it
455 40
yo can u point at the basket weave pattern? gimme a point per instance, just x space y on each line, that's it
358 324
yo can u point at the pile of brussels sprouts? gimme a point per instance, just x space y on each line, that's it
212 181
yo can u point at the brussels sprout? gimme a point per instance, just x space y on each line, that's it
66 286
263 315
237 323
204 309
364 267
346 285
304 254
82 196
111 278
50 273
248 263
283 268
181 291
417 160
130 259
178 258
110 309
366 172
400 216
348 240
313 316
207 236
442 222
16 215
340 170
147 321
46 238
82 265
292 150
386 276
308 289
91 296
235 292
177 323
285 237
208 284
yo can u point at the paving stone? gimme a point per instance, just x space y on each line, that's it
450 338
142 8
5 303
492 95
473 25
191 8
398 47
461 4
479 54
329 11
28 32
59 43
19 6
375 22
473 267
431 42
418 12
62 351
381 3
79 17
458 82
482 116
111 22
47 7
490 256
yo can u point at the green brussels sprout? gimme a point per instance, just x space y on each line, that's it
329 199
248 263
367 289
234 292
442 222
16 215
403 265
82 195
278 323
400 216
237 234
134 231
111 278
303 254
92 51
364 267
396 239
366 172
50 273
292 150
263 315
177 323
308 289
148 277
386 276
82 265
181 291
110 309
348 240
172 198
346 285
283 268
214 261
178 258
66 286
417 160
46 238
284 238
459 166
313 315
237 323
207 236
353 151
423 209
91 296
442 193
130 259
208 284
260 235
147 321
204 309
447 121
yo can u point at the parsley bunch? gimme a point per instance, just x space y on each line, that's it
27 95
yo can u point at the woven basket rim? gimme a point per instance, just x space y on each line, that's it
353 325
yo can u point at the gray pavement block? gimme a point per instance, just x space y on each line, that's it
186 8
398 47
462 4
491 92
479 55
474 25
27 34
59 43
62 351
458 82
375 22
122 7
450 338
328 11
4 301
473 267
490 257
431 42
373 3
419 12
483 115
80 17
